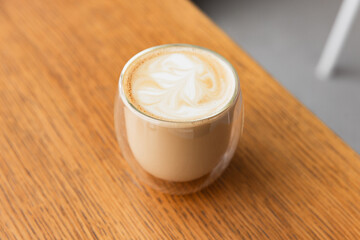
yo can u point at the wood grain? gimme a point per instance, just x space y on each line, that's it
61 172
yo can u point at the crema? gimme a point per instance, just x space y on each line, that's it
179 84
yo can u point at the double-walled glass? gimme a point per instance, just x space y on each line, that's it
177 157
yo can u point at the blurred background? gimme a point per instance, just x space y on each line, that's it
287 38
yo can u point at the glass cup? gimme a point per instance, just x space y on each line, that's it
178 157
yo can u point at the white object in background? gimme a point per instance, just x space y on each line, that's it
337 37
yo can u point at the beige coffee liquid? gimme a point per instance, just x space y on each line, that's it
191 90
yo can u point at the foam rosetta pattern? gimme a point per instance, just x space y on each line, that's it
182 85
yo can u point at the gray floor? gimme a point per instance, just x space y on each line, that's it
286 38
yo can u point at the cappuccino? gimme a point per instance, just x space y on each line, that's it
179 113
179 84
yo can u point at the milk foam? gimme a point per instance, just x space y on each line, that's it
181 83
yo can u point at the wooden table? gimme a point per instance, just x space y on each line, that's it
61 171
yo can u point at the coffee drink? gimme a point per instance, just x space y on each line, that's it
179 111
180 84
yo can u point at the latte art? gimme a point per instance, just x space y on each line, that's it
180 84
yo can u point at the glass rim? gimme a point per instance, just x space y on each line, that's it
153 119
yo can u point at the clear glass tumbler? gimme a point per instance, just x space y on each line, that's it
178 157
